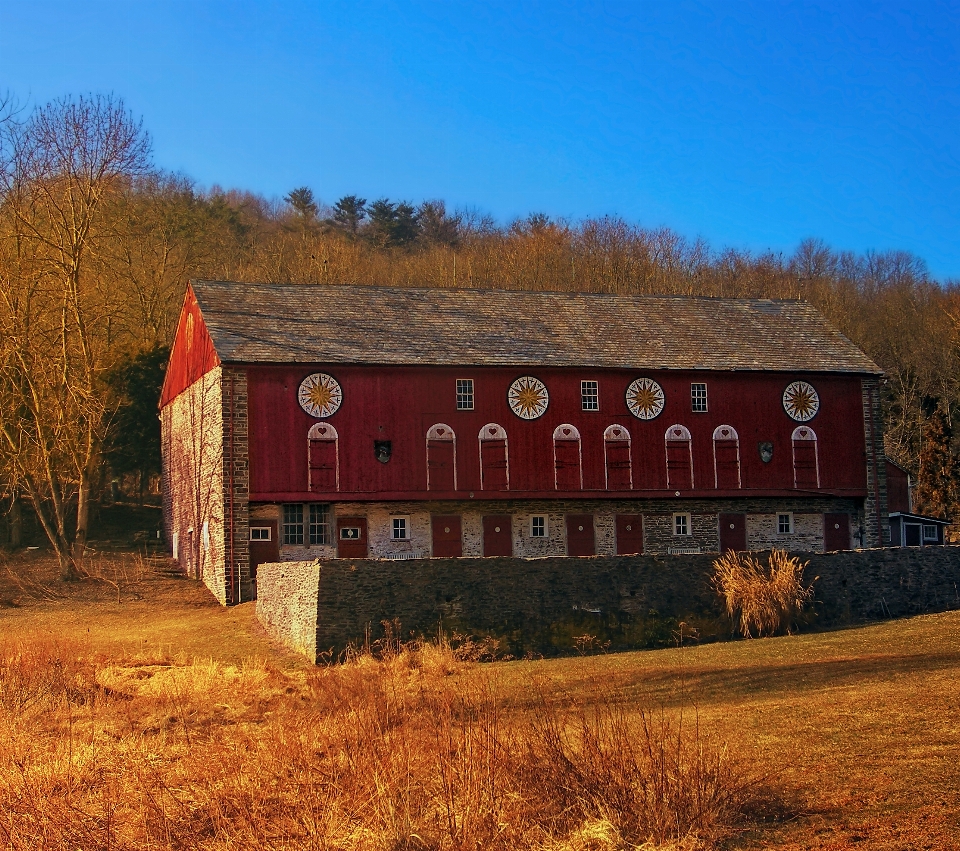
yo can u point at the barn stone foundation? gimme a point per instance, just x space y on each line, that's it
555 605
658 525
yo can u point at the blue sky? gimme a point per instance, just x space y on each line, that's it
751 125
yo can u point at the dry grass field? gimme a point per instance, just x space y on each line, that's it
137 713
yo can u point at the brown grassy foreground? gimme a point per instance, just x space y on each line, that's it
168 722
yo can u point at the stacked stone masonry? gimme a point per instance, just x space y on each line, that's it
659 536
192 428
632 601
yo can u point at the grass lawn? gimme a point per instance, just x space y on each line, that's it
858 730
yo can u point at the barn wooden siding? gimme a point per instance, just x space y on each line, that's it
192 354
400 404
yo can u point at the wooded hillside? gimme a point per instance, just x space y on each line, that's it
97 244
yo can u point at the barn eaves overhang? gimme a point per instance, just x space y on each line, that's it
406 326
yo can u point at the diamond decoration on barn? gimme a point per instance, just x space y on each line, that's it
801 401
320 395
528 397
645 398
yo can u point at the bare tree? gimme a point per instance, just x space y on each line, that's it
61 169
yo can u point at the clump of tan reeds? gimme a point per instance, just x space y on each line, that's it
761 598
415 748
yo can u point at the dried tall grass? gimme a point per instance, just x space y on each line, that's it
761 599
409 749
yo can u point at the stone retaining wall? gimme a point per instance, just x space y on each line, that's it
549 606
287 604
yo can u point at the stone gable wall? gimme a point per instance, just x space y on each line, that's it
547 605
192 429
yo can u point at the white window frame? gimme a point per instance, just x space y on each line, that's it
293 529
789 530
465 395
929 532
682 521
267 529
696 389
589 395
533 528
400 523
318 530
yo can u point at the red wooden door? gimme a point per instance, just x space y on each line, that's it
497 536
629 534
733 532
447 537
264 551
441 457
805 472
836 532
566 455
323 465
618 465
493 465
580 538
351 537
679 466
726 454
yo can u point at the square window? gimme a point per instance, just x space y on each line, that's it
930 533
319 524
698 398
464 394
538 526
785 524
590 395
293 524
259 533
681 524
400 529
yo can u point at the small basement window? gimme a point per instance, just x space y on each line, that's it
929 532
590 395
681 524
538 526
401 529
785 524
464 394
698 398
260 533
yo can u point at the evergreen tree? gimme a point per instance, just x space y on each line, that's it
436 227
133 444
392 224
303 202
348 214
936 492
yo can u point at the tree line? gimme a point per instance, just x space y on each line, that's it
97 244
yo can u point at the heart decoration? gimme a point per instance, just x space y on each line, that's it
440 430
322 430
566 431
492 430
803 432
677 432
617 432
725 432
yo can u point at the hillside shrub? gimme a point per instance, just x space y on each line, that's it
761 599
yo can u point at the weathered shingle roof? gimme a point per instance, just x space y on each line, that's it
298 323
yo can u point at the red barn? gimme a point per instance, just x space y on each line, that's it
306 421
